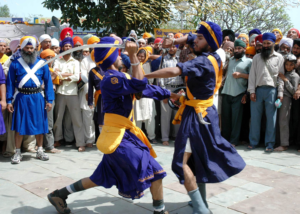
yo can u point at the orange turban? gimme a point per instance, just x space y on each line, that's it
251 50
178 35
46 53
92 55
146 35
93 40
64 32
77 39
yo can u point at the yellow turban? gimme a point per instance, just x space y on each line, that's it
245 36
251 50
146 35
146 49
27 40
149 49
93 40
278 40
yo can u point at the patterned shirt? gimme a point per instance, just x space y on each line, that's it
168 62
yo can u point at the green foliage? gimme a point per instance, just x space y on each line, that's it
4 11
242 15
119 16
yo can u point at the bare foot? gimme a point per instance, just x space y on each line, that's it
166 143
281 148
90 145
81 149
57 144
53 151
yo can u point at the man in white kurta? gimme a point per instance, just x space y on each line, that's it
87 114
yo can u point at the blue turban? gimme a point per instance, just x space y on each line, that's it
67 40
254 31
269 36
125 60
212 34
105 57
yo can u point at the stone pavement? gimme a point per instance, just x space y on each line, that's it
270 184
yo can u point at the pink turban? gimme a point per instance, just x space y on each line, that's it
14 44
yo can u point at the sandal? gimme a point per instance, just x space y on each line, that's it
269 149
281 148
251 147
53 151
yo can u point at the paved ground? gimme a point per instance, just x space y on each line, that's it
269 184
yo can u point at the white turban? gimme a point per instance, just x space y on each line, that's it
54 42
27 40
287 41
142 40
43 37
132 32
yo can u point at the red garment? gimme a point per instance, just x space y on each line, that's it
157 40
259 38
64 33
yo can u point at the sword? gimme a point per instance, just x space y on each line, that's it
201 120
88 46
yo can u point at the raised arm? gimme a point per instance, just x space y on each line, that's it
165 73
137 71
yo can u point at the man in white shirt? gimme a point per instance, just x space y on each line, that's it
87 113
67 95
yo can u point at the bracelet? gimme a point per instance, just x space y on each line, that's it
135 64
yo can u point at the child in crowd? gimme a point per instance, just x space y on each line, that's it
291 80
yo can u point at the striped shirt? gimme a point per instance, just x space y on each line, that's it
168 62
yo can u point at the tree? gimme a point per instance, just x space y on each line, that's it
4 11
265 17
119 16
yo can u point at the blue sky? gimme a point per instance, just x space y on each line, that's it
24 8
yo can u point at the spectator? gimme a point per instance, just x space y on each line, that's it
250 52
142 43
228 35
279 36
49 137
170 35
258 44
254 31
145 107
285 46
55 46
67 95
252 40
234 93
170 60
291 81
262 87
244 37
45 43
293 33
133 34
295 113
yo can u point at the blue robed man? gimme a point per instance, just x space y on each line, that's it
201 154
128 161
24 81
